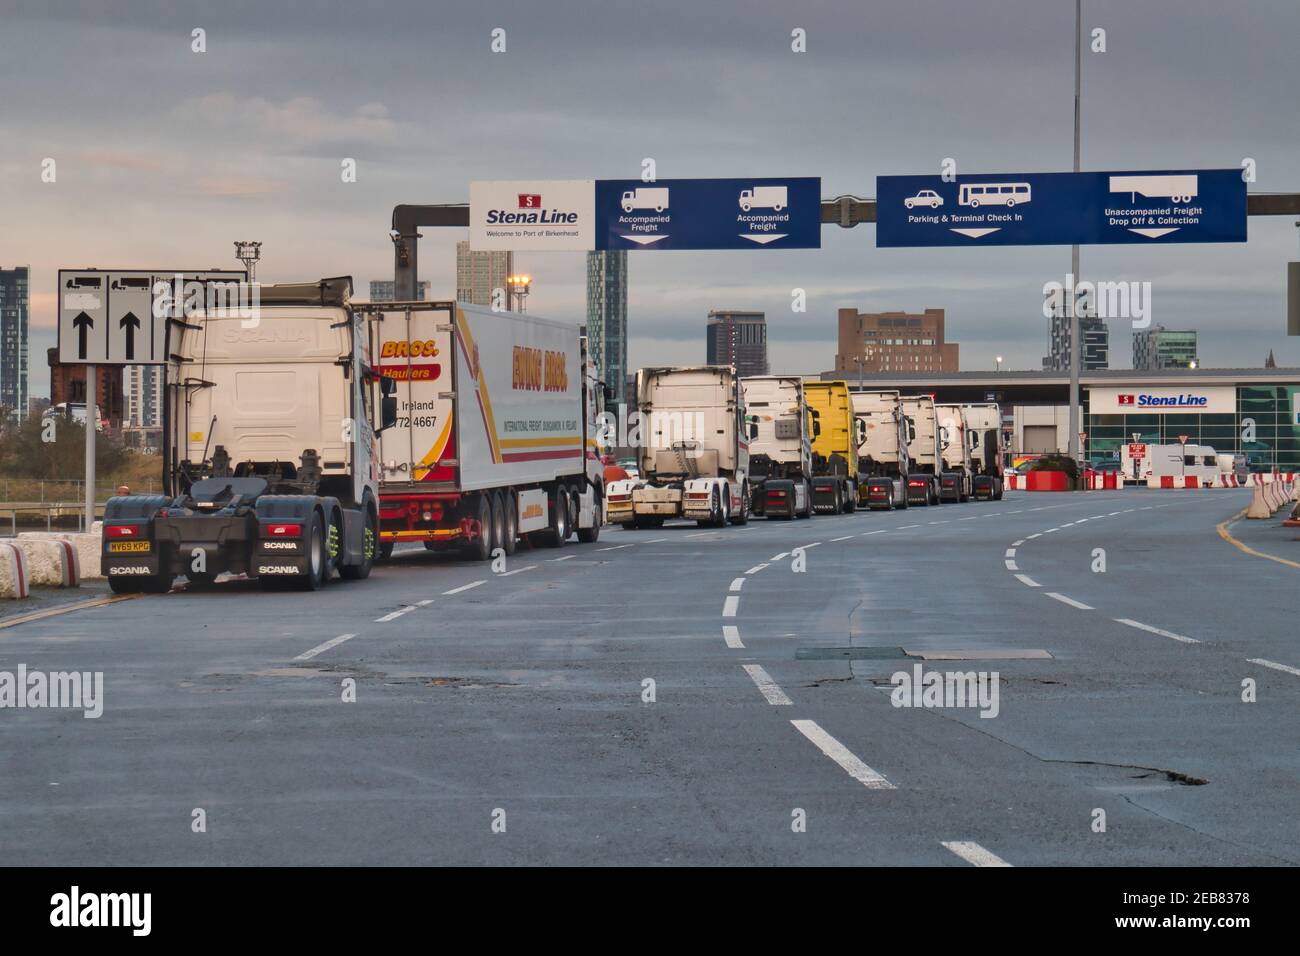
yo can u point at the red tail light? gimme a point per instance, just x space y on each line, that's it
916 484
283 530
121 531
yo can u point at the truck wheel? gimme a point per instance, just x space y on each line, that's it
480 548
560 515
369 544
318 556
574 507
200 580
498 523
630 526
851 501
124 584
511 528
743 517
712 520
592 535
724 507
385 550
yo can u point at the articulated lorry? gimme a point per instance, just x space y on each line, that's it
268 450
883 464
835 446
984 438
495 434
693 453
780 446
957 479
923 450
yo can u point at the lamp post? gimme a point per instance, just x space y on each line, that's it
999 361
249 253
519 287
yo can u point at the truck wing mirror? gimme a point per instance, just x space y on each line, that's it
387 412
387 386
753 430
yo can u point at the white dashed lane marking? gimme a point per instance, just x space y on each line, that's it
849 763
617 547
1027 581
1069 600
737 584
973 853
464 587
394 615
730 606
756 568
766 686
1274 664
845 538
567 557
731 634
1155 630
506 574
778 557
321 648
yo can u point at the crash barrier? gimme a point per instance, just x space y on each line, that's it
1272 496
1047 481
87 546
13 571
51 562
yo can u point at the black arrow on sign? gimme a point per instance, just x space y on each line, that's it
81 323
130 323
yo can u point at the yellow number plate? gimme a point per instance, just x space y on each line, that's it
117 547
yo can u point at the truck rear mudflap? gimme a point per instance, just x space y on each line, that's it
880 493
618 501
776 498
950 487
828 495
659 502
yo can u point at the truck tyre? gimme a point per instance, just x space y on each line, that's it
560 516
369 546
574 507
498 523
850 500
712 520
159 583
200 580
808 501
724 506
317 556
592 535
510 543
480 548
124 584
743 517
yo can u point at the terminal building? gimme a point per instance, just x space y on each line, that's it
1253 412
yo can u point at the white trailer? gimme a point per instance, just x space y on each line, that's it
1180 461
883 463
495 437
984 439
780 446
923 450
957 481
693 450
1175 188
764 197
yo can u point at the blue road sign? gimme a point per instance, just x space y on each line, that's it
709 214
1049 209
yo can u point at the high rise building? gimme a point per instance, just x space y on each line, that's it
607 315
143 394
382 290
1160 347
1094 337
739 339
894 342
14 309
479 274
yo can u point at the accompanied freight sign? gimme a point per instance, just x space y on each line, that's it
1007 209
1162 400
534 215
587 214
708 214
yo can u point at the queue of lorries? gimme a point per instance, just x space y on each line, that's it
716 447
310 442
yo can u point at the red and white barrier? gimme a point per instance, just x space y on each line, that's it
51 562
13 571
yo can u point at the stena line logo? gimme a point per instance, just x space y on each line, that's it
1184 400
530 200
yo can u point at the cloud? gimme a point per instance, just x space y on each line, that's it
294 122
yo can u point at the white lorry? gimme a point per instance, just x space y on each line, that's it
268 450
645 197
957 481
984 438
883 464
764 197
693 452
780 446
923 450
495 435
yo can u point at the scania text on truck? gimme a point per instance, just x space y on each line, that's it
268 450
780 446
923 450
495 437
835 446
984 437
956 481
693 454
882 449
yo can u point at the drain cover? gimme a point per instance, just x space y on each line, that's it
849 654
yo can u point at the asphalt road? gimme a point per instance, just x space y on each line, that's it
508 718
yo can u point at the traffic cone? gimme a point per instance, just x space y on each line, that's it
1258 506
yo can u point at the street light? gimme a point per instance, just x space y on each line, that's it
249 253
519 286
999 361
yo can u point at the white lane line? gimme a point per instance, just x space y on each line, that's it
394 615
1155 630
778 557
736 584
1274 664
506 574
731 634
850 764
1070 525
1069 600
655 541
805 547
973 853
766 686
938 522
1033 536
1020 512
729 606
567 557
844 538
321 648
615 547
880 531
700 534
1050 530
1027 581
906 526
1011 565
971 518
1114 513
756 568
1016 544
1011 552
465 587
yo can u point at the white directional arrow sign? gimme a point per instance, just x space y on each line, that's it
645 240
976 233
763 239
1154 233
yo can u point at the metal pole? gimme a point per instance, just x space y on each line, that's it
1074 250
91 418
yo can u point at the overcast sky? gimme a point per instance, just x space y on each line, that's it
166 156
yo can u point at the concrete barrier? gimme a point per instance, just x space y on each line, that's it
88 548
51 562
13 571
1047 481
